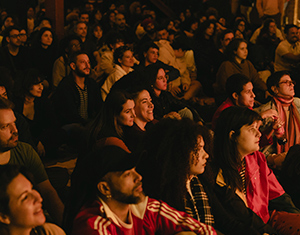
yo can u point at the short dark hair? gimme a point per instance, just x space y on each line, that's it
119 53
6 104
288 27
113 37
73 56
274 79
235 83
7 31
180 43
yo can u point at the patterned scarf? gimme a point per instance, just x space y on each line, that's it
243 176
197 203
292 126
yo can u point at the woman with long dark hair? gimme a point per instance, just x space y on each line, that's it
242 170
176 169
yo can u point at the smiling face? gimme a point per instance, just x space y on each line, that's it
144 107
36 90
248 140
285 88
127 114
242 52
198 158
25 204
246 97
292 35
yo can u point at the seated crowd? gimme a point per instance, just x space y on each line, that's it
126 93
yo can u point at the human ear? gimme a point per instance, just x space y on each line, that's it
235 96
104 188
231 133
73 66
4 218
274 89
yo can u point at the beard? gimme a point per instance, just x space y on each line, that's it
126 198
81 73
8 145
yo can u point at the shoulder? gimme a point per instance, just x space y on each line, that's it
52 229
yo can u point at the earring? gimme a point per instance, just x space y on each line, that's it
108 197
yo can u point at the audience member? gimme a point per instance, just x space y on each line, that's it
166 105
14 152
44 46
122 27
287 53
175 161
104 56
262 54
237 63
205 51
281 86
114 194
21 209
143 120
13 56
77 98
39 113
243 170
87 43
61 68
6 88
107 127
124 61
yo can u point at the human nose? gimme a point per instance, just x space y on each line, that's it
252 94
37 196
138 176
133 113
13 128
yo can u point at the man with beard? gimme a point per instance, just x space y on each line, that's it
116 203
77 98
122 27
287 54
13 151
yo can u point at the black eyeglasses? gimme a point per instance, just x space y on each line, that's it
288 82
15 36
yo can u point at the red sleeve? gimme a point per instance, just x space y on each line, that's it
170 221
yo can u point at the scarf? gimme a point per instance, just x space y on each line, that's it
292 126
197 203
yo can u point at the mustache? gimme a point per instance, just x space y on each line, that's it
15 134
138 185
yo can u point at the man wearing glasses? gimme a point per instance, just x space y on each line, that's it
12 55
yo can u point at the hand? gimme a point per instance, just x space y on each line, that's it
175 91
174 115
185 86
40 149
270 113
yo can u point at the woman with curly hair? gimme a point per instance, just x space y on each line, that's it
176 156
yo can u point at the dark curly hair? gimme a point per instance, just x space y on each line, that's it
166 166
